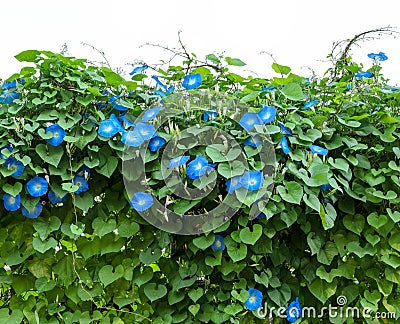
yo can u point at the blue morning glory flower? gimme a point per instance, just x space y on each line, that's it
84 171
310 104
9 85
379 56
284 144
192 81
11 203
209 115
253 141
198 167
139 69
141 201
8 147
54 198
285 129
156 143
293 312
58 134
8 97
131 138
159 83
363 75
81 182
14 165
146 131
37 186
261 216
109 127
151 114
249 120
218 244
255 299
233 183
267 114
315 149
326 187
34 213
252 180
178 161
170 89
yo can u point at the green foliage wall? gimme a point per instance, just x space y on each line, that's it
330 226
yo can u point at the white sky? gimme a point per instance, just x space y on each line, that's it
298 33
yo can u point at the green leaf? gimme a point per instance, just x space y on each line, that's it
213 58
52 155
251 237
293 91
154 291
43 284
234 61
194 309
27 56
196 294
236 252
102 228
231 169
108 274
281 69
46 226
354 223
322 290
109 167
12 190
292 192
43 245
150 255
111 77
84 201
203 242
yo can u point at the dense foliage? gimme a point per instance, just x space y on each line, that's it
313 163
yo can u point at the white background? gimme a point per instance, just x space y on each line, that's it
298 33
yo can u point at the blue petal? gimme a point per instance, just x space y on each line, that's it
37 186
139 69
162 85
34 213
131 138
198 167
363 75
54 199
141 201
284 145
8 97
160 93
255 299
192 81
178 161
13 164
310 104
156 143
249 120
219 243
11 203
267 114
58 134
318 150
253 141
146 131
109 127
233 183
285 129
81 182
151 114
209 115
252 180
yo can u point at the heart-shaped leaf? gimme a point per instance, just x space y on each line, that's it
13 190
376 220
195 294
251 237
43 246
108 274
52 155
354 223
102 228
194 309
322 289
150 256
292 192
46 226
154 292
